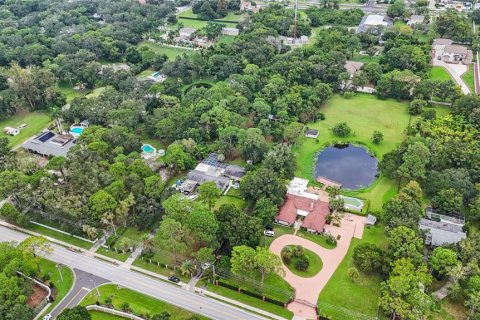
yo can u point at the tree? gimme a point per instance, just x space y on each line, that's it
416 106
7 156
253 145
102 206
263 183
402 242
172 236
35 247
12 215
396 9
280 159
205 255
353 274
448 201
368 257
442 259
415 160
403 293
377 137
177 158
164 315
245 260
266 210
293 132
209 193
76 313
341 129
237 227
203 226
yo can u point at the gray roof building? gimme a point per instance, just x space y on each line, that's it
202 177
50 144
441 232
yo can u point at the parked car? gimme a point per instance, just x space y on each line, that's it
269 233
47 317
269 227
174 279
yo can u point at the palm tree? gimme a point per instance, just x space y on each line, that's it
55 113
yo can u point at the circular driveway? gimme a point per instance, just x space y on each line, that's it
308 289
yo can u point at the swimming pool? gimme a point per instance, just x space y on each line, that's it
76 131
156 74
148 148
353 203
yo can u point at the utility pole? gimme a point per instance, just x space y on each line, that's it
295 23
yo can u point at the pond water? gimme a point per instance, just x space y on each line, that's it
349 165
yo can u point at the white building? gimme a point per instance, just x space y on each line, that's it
374 21
11 131
442 229
186 32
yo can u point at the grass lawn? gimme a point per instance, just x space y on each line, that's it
113 254
439 73
63 287
366 58
228 199
97 315
160 270
314 267
319 239
231 16
60 236
341 291
36 121
251 301
378 193
171 52
69 92
139 303
364 114
96 92
449 310
198 24
226 39
469 78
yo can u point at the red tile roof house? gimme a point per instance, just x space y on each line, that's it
314 211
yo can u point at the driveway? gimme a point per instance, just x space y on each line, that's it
456 71
307 290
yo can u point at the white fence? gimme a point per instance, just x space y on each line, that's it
113 312
63 232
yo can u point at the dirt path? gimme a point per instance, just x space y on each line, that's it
308 289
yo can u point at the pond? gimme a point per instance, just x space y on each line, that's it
350 165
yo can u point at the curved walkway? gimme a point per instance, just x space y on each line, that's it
308 289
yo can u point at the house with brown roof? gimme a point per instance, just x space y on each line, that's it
303 206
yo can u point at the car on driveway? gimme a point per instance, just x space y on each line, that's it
269 233
174 279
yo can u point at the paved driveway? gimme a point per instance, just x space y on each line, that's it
456 71
308 289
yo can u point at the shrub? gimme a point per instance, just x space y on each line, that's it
298 251
126 306
302 264
367 257
416 106
429 114
331 239
341 129
353 274
287 254
349 95
108 300
377 137
321 116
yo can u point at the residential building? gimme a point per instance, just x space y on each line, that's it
353 67
230 31
311 133
416 19
11 131
442 229
50 144
444 49
374 22
303 207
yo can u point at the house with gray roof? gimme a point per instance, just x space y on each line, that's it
50 144
442 229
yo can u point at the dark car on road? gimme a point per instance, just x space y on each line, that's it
174 279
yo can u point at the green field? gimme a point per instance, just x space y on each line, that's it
139 303
341 292
315 264
469 78
171 52
60 236
439 73
69 92
229 17
63 287
364 114
227 199
36 121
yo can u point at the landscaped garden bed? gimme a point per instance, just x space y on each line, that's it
302 262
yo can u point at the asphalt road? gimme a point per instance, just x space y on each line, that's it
172 294
84 283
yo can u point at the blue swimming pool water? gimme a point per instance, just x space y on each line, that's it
77 130
147 148
350 165
156 74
